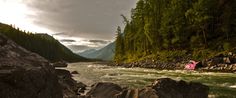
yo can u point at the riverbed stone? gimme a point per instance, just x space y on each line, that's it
168 88
161 88
138 93
104 90
71 88
74 72
60 64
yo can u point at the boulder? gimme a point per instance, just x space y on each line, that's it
74 72
136 93
148 93
70 87
24 74
168 88
161 88
222 63
104 90
60 64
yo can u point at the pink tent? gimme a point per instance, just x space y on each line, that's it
191 65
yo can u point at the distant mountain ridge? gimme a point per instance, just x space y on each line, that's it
42 44
106 53
88 53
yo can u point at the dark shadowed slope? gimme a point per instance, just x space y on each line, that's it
42 44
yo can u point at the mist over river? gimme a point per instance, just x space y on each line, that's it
221 84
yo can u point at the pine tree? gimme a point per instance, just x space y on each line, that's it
119 50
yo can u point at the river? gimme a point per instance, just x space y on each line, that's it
222 85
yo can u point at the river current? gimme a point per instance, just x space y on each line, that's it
222 85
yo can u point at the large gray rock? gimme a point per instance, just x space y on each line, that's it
104 90
24 74
161 88
60 64
168 88
138 93
70 87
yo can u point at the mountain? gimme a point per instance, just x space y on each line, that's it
106 53
42 44
88 53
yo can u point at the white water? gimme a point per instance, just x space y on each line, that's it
221 84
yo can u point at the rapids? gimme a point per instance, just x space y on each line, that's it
221 84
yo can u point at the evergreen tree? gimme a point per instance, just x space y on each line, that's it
119 50
177 25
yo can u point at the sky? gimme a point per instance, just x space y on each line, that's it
78 24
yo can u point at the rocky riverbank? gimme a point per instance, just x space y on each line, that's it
219 63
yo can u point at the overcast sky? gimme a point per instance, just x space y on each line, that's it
79 24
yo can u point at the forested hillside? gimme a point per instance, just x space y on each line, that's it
168 29
42 44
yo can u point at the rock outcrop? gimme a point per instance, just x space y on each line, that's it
24 74
104 90
168 88
222 63
60 64
70 87
161 88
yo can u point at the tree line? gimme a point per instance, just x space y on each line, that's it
176 25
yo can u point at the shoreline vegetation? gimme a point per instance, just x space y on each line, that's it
175 31
225 62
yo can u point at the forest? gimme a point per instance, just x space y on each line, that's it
169 29
42 44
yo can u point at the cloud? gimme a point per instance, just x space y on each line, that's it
67 40
80 24
78 45
99 41
92 19
62 33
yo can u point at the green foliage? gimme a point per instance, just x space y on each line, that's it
227 46
119 50
42 44
199 54
171 55
165 27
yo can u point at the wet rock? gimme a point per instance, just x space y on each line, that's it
168 88
222 63
234 67
226 60
161 88
129 93
24 74
148 93
70 87
74 72
81 88
104 90
60 64
136 93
